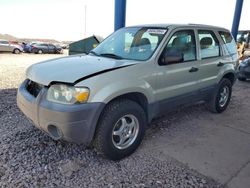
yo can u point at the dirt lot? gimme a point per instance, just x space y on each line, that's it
188 148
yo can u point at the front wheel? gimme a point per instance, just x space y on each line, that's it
219 101
39 51
120 129
16 51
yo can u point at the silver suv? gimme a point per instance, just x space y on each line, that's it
108 97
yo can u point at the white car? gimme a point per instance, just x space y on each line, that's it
6 46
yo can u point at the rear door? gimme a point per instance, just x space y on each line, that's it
178 82
46 47
210 59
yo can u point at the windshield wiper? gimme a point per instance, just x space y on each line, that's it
94 53
111 55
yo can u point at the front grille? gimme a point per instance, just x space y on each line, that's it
34 88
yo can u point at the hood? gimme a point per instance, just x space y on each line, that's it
72 68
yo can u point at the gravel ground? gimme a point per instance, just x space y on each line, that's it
29 158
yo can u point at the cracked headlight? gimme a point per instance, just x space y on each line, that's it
65 94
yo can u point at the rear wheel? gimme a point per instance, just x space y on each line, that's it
39 51
219 101
120 129
16 51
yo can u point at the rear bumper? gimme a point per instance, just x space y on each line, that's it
73 123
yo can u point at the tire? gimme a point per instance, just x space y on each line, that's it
241 79
115 122
220 99
39 51
16 51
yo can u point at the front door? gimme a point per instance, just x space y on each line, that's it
178 81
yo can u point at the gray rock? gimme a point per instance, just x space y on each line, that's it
69 167
2 170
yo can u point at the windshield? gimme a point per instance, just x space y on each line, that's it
133 43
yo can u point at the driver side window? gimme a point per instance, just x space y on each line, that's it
181 44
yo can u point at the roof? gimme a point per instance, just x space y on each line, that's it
178 25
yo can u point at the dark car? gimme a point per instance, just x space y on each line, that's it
46 48
244 70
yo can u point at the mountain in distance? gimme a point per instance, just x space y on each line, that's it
8 37
15 39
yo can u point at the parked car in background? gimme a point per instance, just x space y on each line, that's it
6 46
243 71
46 48
27 47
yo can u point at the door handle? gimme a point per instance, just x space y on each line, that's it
193 69
220 64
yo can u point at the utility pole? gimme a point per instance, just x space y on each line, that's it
236 20
120 14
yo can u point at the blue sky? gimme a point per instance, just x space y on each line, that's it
65 19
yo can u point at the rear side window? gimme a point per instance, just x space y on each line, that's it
229 43
51 46
209 44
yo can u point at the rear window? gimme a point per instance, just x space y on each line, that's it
229 43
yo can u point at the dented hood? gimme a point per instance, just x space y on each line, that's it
72 68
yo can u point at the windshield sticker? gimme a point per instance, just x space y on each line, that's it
156 31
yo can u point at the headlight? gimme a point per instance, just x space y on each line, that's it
67 94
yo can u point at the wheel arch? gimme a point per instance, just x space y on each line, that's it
137 97
230 76
13 51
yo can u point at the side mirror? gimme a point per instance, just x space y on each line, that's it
171 58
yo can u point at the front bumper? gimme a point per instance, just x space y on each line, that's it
73 123
243 71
